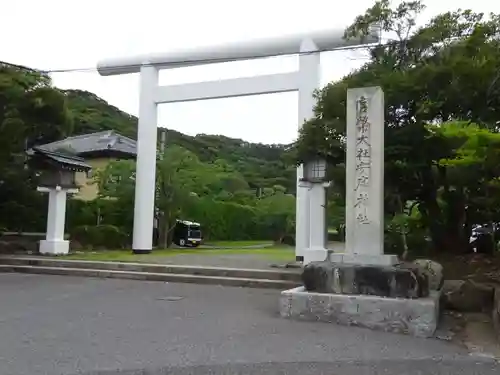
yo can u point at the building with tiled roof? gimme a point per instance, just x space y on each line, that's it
98 149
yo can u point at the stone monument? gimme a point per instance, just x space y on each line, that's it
363 286
365 179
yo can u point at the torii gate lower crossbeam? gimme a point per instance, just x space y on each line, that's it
310 202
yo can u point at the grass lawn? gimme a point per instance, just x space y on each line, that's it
276 253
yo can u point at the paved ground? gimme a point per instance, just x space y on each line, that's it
63 325
249 261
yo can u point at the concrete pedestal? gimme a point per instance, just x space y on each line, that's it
315 255
54 247
364 259
54 243
316 251
416 317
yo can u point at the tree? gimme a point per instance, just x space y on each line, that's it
186 188
259 165
176 184
444 71
225 174
470 179
277 212
115 202
32 112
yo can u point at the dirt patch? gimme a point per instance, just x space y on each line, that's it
478 337
476 267
471 331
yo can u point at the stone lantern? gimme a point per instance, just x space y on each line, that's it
315 171
57 178
314 179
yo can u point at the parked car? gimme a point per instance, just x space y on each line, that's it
484 238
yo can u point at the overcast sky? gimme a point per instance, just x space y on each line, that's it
62 34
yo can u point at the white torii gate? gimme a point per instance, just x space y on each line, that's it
310 211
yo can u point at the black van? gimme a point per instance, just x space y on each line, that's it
187 234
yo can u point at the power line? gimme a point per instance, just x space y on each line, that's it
202 61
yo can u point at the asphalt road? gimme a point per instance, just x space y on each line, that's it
63 325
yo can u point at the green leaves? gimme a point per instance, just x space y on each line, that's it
31 112
437 80
399 21
214 194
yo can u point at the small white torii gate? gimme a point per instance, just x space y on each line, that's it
310 211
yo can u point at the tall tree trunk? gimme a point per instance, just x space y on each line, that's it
402 230
446 226
431 215
162 231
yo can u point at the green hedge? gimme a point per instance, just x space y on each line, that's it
99 212
223 220
229 221
104 236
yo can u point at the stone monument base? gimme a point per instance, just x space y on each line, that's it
365 259
403 280
52 247
322 254
417 317
315 255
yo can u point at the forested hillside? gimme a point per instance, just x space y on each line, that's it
238 190
261 165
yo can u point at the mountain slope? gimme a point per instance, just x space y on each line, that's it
261 165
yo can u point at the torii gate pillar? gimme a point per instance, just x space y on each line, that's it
306 80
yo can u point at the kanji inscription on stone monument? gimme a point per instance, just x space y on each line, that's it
365 173
363 161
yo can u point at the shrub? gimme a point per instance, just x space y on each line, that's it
80 213
107 236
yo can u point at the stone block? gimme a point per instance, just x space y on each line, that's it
364 259
467 296
399 281
417 317
54 247
434 272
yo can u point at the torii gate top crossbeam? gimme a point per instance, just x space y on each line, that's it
290 44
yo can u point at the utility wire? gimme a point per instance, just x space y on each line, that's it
197 61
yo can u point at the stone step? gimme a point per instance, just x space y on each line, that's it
151 276
158 268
